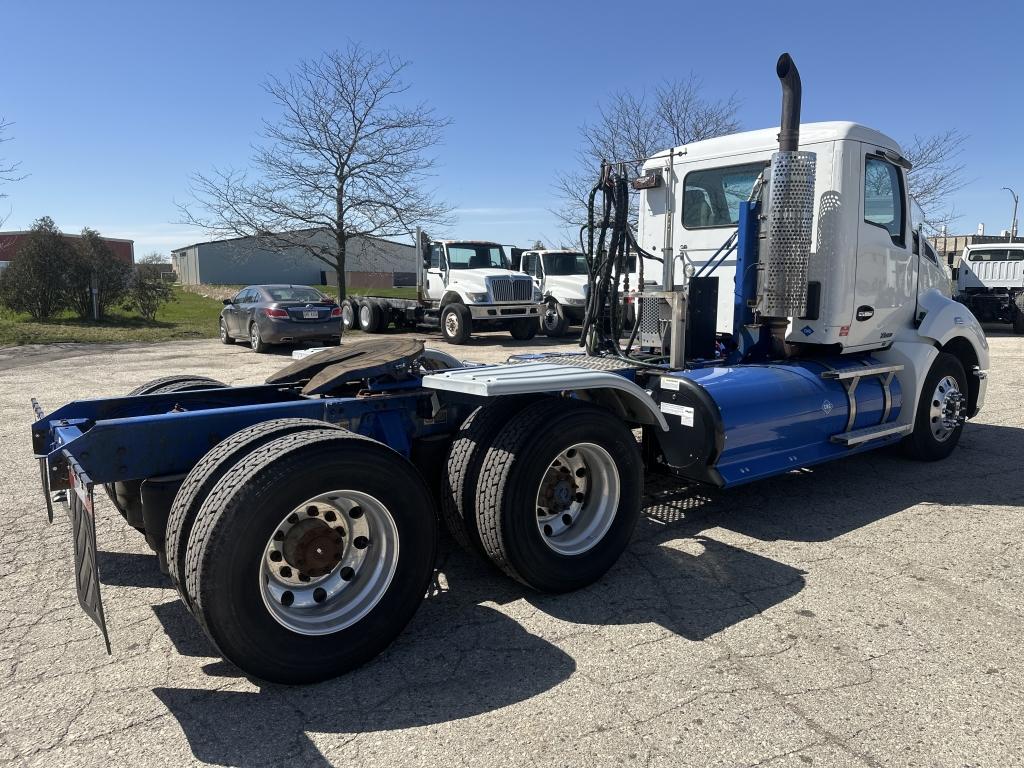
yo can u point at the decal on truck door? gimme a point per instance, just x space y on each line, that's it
864 312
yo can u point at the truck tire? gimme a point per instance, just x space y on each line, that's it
348 315
224 337
370 317
553 322
204 476
124 495
941 411
456 324
259 346
462 475
1018 314
523 329
559 494
304 595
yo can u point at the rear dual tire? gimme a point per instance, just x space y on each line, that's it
310 633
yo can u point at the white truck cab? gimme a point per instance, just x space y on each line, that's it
561 277
471 284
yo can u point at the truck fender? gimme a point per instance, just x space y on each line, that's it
452 297
618 394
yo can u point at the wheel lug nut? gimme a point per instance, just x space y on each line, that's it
293 518
312 511
361 542
278 536
329 516
286 572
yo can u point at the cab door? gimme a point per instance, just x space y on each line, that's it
885 290
437 272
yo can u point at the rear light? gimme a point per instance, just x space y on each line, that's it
278 314
336 312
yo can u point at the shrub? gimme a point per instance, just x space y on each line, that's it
35 282
93 263
146 294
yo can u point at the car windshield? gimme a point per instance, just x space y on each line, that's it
565 264
470 256
294 293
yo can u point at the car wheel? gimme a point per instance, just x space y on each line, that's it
256 339
224 337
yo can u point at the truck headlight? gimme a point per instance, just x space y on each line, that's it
477 297
537 296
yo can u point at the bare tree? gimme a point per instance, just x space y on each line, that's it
632 127
8 168
346 158
937 174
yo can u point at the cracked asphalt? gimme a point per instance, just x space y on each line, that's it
868 612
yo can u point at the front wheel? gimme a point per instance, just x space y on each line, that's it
559 494
553 322
311 554
941 411
456 324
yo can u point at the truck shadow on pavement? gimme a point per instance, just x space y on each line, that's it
460 658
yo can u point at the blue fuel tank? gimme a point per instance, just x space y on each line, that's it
734 424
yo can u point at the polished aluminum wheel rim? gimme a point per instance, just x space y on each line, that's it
947 408
329 562
550 318
451 323
364 316
347 316
577 499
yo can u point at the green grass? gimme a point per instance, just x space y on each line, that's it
188 317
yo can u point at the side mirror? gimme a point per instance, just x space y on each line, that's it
426 263
229 302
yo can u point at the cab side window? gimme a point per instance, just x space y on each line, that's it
884 204
531 264
435 256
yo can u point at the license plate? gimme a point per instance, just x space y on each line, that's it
310 314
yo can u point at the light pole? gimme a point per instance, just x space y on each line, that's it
1013 221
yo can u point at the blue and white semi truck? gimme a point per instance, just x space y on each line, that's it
297 518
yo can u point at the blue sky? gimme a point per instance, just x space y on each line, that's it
115 103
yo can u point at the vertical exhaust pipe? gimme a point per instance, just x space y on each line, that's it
789 126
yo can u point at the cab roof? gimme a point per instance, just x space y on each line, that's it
767 139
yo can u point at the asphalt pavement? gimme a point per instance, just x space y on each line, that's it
867 612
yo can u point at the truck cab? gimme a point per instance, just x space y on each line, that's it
990 281
561 277
471 285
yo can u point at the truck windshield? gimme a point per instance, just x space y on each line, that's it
470 256
565 264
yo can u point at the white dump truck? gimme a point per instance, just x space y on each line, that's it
461 286
990 281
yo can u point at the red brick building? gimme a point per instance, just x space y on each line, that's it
10 242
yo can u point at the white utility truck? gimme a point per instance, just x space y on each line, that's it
461 285
990 282
561 277
297 519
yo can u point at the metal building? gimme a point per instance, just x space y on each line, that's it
370 263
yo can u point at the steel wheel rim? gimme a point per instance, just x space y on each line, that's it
451 323
347 315
946 411
364 316
348 542
577 499
550 318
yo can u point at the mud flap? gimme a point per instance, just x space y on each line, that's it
83 527
45 477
